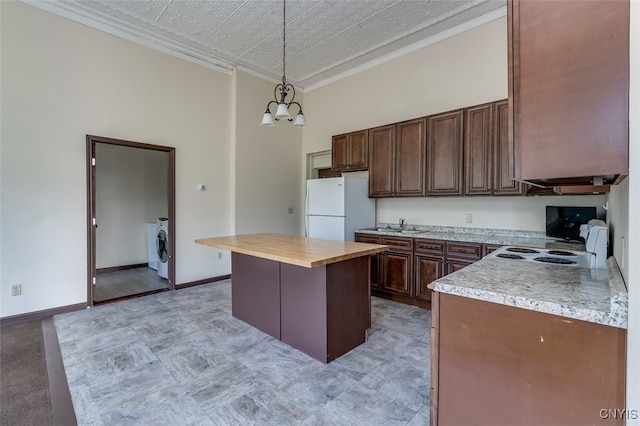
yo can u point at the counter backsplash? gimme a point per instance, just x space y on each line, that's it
463 230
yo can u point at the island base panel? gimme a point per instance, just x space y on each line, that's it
502 365
325 310
255 292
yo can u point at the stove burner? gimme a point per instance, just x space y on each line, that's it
522 250
556 260
561 253
509 256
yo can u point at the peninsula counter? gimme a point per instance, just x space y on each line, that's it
310 293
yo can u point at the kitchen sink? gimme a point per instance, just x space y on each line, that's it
400 231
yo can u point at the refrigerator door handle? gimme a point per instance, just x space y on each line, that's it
306 213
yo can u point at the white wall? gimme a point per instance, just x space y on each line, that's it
131 191
633 271
268 173
464 70
61 81
520 213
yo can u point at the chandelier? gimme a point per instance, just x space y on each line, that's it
282 90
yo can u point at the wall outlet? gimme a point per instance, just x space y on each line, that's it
290 210
16 289
468 218
219 255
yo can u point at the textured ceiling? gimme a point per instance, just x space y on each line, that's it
325 38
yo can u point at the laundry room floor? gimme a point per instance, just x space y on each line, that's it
114 285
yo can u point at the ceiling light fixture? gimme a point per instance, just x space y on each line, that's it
281 90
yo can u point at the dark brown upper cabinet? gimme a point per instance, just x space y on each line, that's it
444 154
488 153
350 151
397 160
382 148
569 90
478 150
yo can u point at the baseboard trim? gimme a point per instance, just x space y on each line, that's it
121 268
203 281
61 403
39 315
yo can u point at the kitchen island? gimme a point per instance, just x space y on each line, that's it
310 293
527 344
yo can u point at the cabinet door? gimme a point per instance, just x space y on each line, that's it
339 152
569 84
478 155
397 273
358 155
428 269
503 154
444 154
411 147
381 161
375 259
489 248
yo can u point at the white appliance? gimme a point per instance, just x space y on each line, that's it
596 236
162 247
337 207
152 253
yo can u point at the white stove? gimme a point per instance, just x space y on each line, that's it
595 256
546 256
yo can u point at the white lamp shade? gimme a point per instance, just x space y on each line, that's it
282 112
300 121
267 120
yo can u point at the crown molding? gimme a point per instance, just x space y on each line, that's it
469 25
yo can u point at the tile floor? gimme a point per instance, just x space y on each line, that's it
180 358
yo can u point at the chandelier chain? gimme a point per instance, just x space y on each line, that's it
284 41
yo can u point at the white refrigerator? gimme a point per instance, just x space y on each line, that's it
337 207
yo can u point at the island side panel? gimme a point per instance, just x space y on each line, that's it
348 305
303 310
503 365
255 292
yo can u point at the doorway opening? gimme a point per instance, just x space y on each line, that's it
130 219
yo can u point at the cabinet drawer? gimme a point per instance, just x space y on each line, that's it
367 238
470 251
398 243
489 248
433 247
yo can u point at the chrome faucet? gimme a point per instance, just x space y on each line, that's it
401 223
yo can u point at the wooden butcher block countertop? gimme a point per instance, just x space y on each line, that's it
300 251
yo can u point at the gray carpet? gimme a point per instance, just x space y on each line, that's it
24 386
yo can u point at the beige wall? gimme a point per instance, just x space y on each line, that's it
267 163
131 191
633 243
60 81
464 70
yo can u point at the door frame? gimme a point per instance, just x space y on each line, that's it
92 140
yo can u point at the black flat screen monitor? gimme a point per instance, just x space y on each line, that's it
564 222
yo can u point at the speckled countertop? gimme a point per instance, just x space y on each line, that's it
594 295
505 237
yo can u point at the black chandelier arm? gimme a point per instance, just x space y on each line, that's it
268 110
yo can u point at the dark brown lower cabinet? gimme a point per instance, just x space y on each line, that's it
493 364
396 273
411 264
428 269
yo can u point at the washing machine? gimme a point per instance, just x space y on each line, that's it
162 247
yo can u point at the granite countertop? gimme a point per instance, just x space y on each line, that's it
593 295
300 251
504 237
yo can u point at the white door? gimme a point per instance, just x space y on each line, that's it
326 227
325 197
